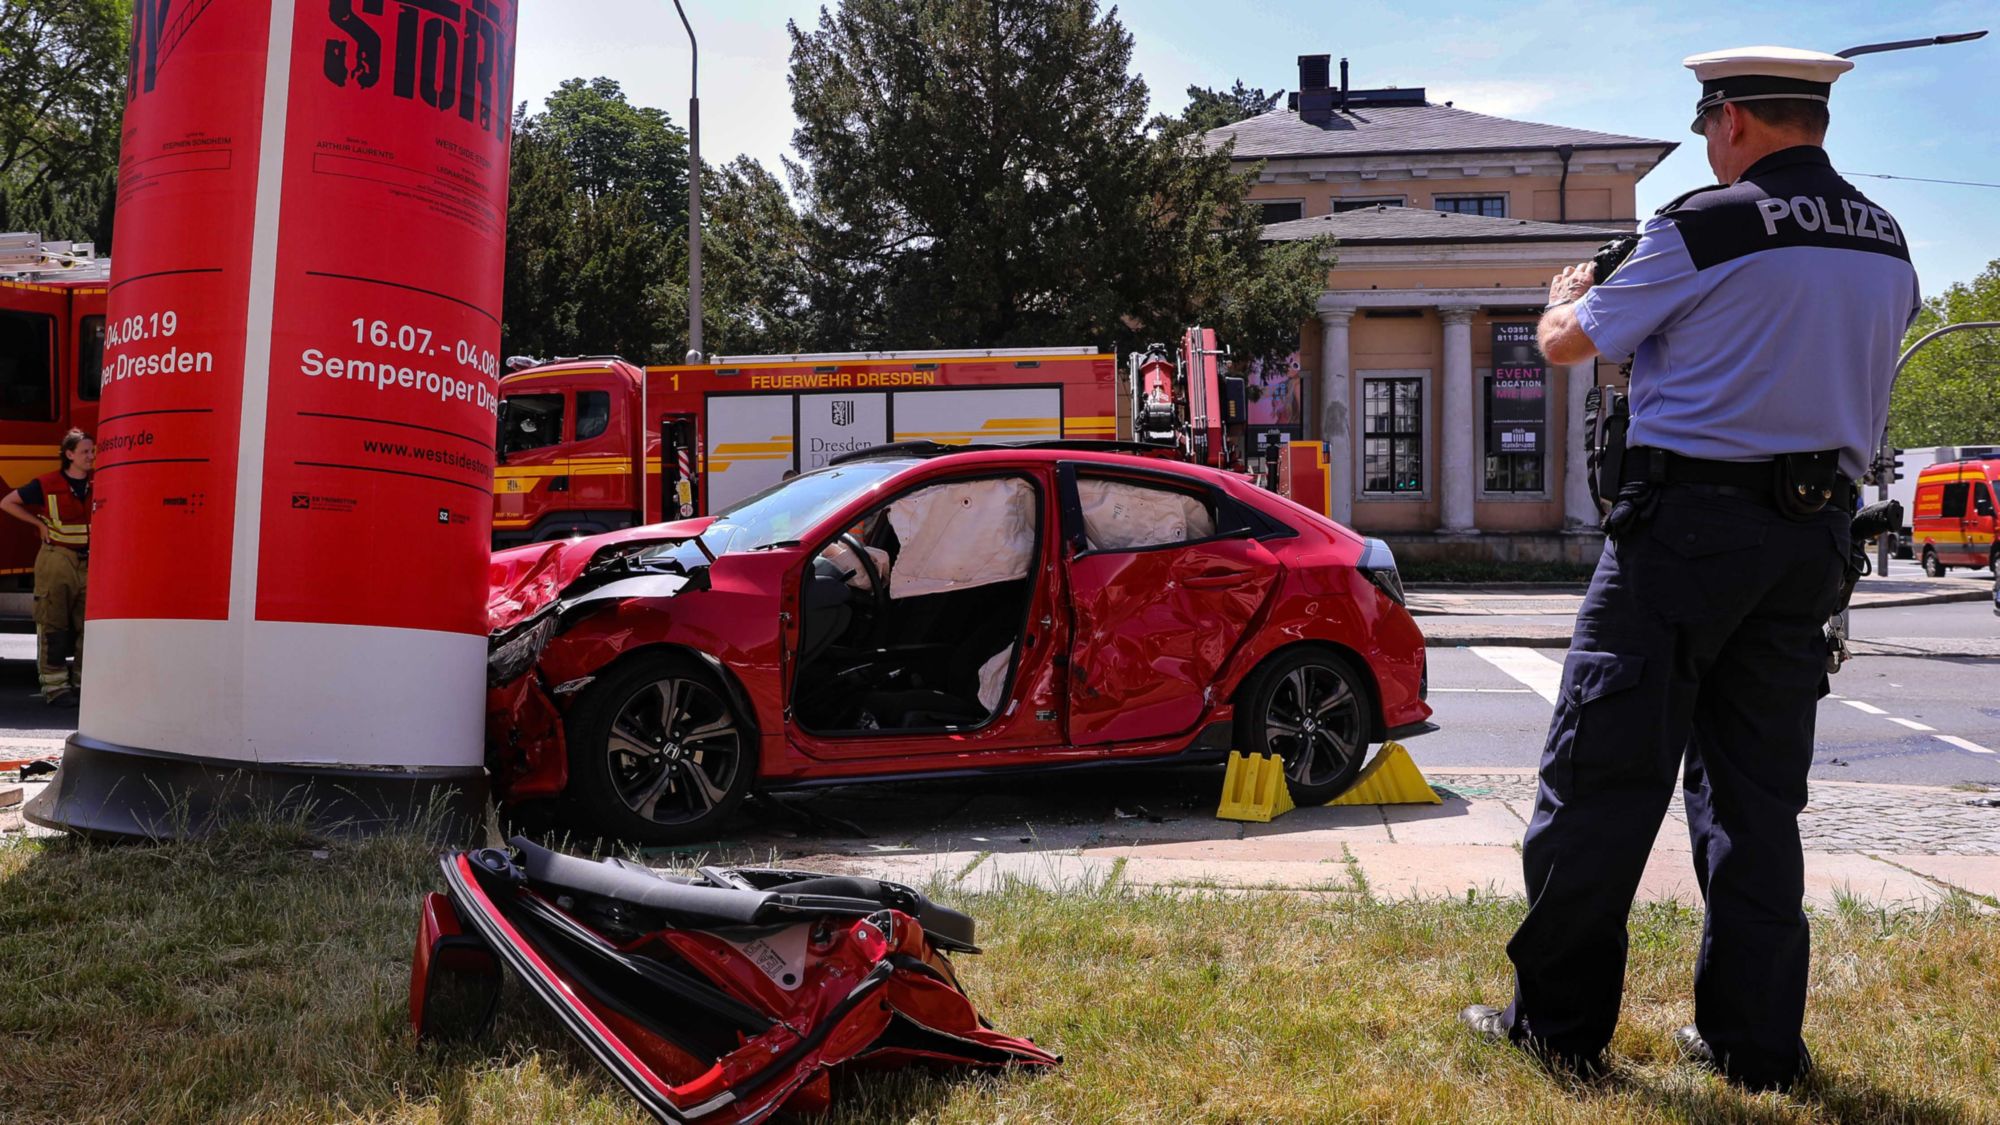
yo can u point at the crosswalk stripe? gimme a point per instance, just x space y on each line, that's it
1864 708
1542 675
1911 723
1962 744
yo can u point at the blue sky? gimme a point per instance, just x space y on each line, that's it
1932 112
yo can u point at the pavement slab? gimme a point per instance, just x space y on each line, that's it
1399 871
1051 871
1829 877
1972 874
1456 821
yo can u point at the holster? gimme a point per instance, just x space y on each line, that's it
1805 482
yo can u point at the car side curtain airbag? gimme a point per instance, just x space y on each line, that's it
963 534
1121 517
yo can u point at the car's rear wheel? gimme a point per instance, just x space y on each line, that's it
1311 708
657 754
1932 566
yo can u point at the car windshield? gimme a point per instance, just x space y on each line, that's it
781 514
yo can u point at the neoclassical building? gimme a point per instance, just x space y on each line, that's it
1446 432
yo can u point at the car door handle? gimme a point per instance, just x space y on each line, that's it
1217 580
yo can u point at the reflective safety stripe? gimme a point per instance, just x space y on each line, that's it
67 534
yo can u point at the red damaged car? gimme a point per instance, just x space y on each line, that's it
910 612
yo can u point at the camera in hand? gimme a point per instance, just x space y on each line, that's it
1610 256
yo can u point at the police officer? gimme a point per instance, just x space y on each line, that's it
1762 316
58 505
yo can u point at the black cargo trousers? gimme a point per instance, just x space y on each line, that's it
1698 647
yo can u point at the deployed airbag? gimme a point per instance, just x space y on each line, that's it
1122 517
963 534
720 999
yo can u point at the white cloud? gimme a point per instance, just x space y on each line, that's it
1499 97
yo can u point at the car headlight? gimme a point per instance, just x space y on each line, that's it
1378 563
511 659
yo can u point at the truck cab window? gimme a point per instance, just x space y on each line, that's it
593 413
27 349
1982 502
533 421
1952 506
90 358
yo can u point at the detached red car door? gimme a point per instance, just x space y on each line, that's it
1165 581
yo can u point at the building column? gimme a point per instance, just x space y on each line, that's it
1458 442
1579 510
1336 425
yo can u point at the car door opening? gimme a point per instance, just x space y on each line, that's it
913 618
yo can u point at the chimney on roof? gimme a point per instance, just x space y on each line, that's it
1343 83
1314 100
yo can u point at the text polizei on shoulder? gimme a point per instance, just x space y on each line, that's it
1755 74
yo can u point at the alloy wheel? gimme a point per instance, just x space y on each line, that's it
1314 723
674 750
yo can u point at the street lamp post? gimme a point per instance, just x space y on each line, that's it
694 353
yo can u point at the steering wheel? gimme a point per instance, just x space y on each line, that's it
877 589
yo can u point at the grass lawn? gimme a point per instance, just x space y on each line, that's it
262 976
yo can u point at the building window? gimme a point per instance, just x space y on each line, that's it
1340 205
1392 436
1284 212
1488 206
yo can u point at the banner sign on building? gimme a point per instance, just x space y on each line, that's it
1516 392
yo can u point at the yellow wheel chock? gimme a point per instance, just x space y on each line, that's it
1253 788
1391 779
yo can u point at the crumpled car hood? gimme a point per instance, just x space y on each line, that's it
722 998
521 580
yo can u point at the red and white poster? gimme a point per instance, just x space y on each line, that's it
366 313
168 431
381 415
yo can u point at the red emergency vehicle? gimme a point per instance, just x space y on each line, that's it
51 360
1956 516
598 444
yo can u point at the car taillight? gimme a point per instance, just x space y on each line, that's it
1378 562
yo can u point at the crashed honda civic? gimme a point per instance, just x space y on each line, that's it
721 997
913 613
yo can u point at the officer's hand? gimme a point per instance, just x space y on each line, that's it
1571 283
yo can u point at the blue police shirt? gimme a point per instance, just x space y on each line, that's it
1762 318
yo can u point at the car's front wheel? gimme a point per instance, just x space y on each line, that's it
657 754
1932 565
1310 707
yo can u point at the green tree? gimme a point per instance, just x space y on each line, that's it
1950 392
755 264
614 146
62 64
981 173
1212 109
587 273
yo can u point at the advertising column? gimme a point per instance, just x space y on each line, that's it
298 417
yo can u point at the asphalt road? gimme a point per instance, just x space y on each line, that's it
1891 719
1492 712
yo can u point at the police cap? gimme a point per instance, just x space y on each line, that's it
1757 74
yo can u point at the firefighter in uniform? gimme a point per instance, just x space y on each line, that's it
58 504
1762 317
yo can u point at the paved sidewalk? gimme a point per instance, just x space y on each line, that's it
1886 845
1890 846
1541 618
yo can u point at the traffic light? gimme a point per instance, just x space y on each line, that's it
1894 466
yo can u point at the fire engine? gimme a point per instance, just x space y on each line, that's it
51 358
598 444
